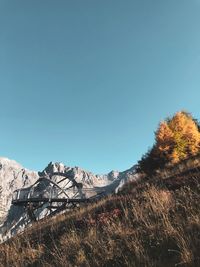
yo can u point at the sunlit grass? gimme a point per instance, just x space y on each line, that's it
147 225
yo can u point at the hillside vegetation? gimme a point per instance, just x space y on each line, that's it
152 222
147 225
176 139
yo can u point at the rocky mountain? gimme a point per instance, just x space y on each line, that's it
87 178
13 176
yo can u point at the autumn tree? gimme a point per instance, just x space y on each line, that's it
179 136
164 141
176 138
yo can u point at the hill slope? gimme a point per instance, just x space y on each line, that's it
151 223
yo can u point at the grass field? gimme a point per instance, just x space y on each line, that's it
155 222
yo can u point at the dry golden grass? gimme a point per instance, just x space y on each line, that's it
150 226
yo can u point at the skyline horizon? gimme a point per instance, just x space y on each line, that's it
86 83
61 162
92 171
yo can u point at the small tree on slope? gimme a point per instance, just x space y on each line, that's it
176 138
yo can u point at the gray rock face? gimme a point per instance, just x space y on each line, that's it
13 176
81 176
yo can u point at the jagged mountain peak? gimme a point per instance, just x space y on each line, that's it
79 174
55 167
14 176
12 163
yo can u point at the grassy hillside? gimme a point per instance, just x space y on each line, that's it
155 222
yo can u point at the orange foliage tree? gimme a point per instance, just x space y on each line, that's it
176 138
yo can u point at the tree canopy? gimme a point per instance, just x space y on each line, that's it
176 138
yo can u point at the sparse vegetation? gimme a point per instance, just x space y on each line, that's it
148 224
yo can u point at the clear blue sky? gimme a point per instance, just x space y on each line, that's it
86 82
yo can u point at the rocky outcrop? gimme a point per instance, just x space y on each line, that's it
12 177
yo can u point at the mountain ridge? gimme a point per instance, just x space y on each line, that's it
14 176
